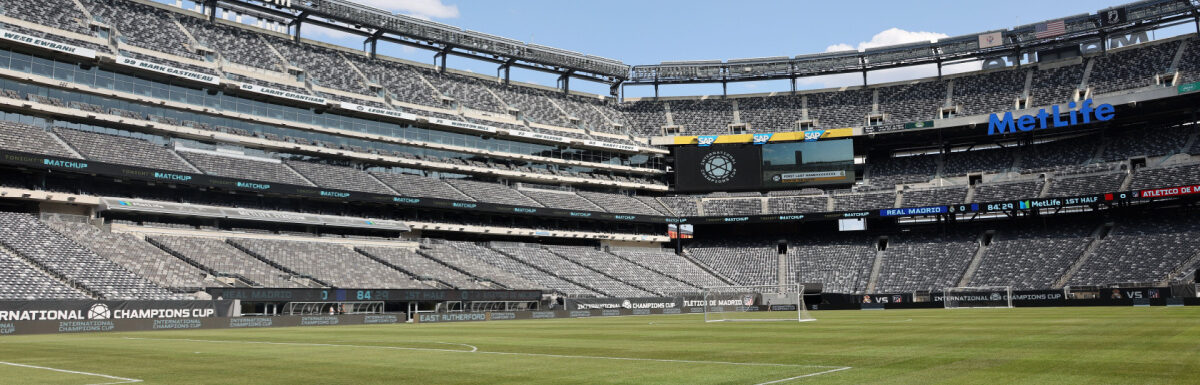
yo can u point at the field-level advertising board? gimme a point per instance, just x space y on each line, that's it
978 297
755 303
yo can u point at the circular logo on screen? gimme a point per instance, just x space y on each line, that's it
717 167
99 311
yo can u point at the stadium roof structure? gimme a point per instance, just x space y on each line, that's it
376 25
1077 29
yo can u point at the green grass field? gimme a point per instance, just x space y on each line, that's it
1100 345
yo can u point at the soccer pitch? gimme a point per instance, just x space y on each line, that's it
1117 345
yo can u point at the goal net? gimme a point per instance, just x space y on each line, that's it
755 303
978 297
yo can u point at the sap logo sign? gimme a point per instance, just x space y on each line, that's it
813 135
1043 120
761 138
706 140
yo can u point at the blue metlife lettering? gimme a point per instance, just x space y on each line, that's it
1005 124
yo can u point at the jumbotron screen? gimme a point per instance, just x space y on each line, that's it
769 166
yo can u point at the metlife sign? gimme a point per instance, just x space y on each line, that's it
1083 113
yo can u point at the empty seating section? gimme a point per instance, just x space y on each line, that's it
903 169
1170 176
988 92
917 261
747 262
533 103
1142 141
20 281
771 113
398 79
1029 258
122 150
468 91
654 203
45 247
524 270
135 255
626 271
864 201
840 108
571 271
223 259
916 102
492 192
61 14
237 45
30 139
1058 154
1142 250
1130 68
323 66
423 268
420 186
977 161
1086 184
671 265
588 110
470 258
144 26
735 206
560 199
681 205
935 197
334 264
703 116
1055 85
1007 191
335 177
647 116
619 203
797 204
251 168
840 264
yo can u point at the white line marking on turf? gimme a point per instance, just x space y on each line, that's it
805 376
476 351
121 380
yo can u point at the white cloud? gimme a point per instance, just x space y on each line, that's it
425 9
890 36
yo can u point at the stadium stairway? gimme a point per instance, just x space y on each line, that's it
977 259
875 268
1187 267
1088 251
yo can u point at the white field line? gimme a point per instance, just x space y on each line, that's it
475 350
120 380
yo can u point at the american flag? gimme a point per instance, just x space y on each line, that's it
1050 29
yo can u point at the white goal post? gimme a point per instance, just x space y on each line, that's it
977 297
755 303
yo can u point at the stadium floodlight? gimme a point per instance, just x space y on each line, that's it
978 297
755 303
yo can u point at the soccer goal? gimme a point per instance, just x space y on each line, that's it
755 303
978 297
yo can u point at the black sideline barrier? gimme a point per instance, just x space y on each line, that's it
147 324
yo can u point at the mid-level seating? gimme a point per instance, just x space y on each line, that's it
250 168
334 264
52 251
223 259
122 150
30 139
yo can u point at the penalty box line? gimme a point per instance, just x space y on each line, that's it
120 380
475 350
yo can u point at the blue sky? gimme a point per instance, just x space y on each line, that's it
648 32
